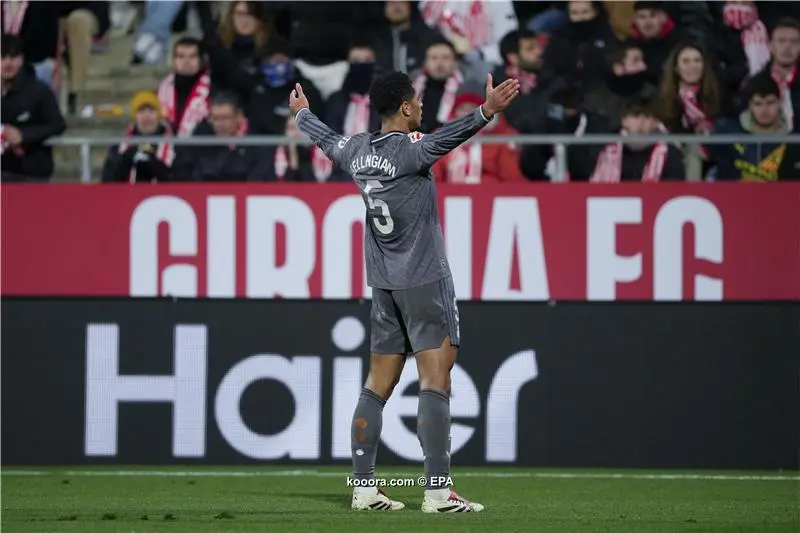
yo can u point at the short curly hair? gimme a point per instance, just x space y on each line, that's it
388 91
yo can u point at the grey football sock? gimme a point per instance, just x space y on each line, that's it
433 430
366 433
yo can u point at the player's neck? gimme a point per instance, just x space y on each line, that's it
395 124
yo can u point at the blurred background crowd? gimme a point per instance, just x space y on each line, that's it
177 68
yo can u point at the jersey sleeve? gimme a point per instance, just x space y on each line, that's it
331 143
427 149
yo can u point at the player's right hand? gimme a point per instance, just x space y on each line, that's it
297 99
500 97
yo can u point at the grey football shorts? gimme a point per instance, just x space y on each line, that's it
413 320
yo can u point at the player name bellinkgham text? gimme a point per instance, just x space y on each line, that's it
373 161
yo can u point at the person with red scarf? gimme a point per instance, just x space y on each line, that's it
480 163
185 93
437 84
648 162
132 162
224 162
294 162
656 34
784 47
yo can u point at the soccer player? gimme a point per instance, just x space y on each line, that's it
413 300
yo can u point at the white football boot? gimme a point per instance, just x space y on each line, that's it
373 499
451 504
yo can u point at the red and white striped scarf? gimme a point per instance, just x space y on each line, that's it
356 120
322 166
609 164
744 18
693 114
786 83
164 151
465 164
448 98
527 80
197 105
462 19
14 16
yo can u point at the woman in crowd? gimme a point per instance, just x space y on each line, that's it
689 101
239 48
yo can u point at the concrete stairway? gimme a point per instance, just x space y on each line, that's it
111 81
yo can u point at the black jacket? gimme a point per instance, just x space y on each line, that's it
144 159
528 112
634 161
268 108
222 163
607 100
31 106
656 50
392 45
39 31
235 68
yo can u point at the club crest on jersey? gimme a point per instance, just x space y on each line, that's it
342 142
415 136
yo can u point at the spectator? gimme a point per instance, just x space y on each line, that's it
760 160
480 163
30 116
522 58
400 45
689 101
242 43
348 110
744 43
225 163
36 25
656 34
627 80
475 27
649 162
143 163
566 116
152 40
576 52
299 163
784 47
542 17
80 23
184 94
438 84
269 104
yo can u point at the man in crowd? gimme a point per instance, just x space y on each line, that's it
480 163
647 162
30 116
184 94
224 162
438 83
348 110
760 160
132 162
268 108
401 44
627 80
784 47
656 34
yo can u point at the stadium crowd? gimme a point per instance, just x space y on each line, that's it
632 68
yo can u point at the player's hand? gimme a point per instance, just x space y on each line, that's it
297 99
500 97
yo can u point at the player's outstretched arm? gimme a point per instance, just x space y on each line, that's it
450 135
316 130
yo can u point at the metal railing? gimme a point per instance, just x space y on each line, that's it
559 141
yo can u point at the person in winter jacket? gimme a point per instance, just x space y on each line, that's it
437 84
480 163
783 67
656 34
762 159
185 94
401 42
134 162
30 116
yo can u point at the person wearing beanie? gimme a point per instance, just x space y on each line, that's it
475 163
142 163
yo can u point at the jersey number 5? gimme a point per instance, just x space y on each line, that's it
383 221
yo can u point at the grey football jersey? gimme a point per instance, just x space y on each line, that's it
403 242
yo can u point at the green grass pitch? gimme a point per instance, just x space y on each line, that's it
199 500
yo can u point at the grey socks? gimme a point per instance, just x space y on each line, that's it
366 433
433 430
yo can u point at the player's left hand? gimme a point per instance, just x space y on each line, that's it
500 97
297 99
